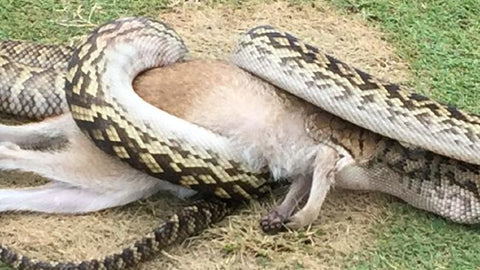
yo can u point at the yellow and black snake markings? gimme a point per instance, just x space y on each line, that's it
188 221
436 183
117 132
31 74
358 97
112 128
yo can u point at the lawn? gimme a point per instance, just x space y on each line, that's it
438 40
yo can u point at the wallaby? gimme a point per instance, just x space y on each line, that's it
265 125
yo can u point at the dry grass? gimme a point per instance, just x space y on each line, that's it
236 243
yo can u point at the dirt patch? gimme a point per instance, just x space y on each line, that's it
236 243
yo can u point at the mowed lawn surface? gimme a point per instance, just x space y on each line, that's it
439 39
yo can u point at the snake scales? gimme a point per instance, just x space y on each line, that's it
98 79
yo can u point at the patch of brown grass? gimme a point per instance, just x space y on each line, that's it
236 243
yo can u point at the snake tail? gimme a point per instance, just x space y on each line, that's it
188 221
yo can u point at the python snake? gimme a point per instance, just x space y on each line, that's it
26 66
388 109
99 95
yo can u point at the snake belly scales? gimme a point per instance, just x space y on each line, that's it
100 100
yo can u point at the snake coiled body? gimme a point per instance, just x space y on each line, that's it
388 109
186 222
103 104
25 66
99 95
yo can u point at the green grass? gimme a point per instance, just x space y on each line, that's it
415 239
53 21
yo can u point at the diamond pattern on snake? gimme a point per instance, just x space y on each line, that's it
223 130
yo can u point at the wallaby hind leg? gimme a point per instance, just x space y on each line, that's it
323 178
44 134
58 197
275 220
87 170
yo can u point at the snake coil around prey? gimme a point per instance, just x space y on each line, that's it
100 97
